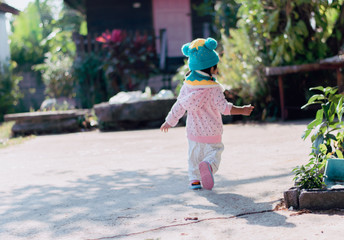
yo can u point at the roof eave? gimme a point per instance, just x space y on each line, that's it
8 9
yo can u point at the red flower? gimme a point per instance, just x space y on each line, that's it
117 36
105 37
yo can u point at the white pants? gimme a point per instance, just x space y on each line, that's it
198 152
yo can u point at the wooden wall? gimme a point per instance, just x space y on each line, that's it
118 14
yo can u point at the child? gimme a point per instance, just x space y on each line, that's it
203 99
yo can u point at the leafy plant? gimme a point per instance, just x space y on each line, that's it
310 176
327 138
327 127
92 86
57 75
26 37
129 58
9 90
57 69
241 68
258 33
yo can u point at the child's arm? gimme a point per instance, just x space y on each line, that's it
173 117
244 110
177 111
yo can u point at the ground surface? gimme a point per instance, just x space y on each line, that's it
133 185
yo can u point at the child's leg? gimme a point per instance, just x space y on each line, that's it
195 157
212 155
210 163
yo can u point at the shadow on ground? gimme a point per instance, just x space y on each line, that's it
115 200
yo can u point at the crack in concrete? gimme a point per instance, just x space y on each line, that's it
184 224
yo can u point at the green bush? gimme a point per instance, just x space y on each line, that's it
92 86
57 69
241 68
9 90
327 138
57 75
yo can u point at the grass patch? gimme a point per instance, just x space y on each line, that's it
6 138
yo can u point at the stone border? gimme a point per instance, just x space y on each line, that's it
314 199
46 122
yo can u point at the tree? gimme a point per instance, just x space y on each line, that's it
336 40
9 90
28 31
277 33
57 72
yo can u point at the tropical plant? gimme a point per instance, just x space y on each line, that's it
130 58
9 90
57 69
27 36
92 86
327 138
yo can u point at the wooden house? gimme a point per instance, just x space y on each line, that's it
174 22
4 46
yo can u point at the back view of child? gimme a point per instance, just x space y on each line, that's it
203 100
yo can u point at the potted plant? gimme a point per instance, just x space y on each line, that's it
327 135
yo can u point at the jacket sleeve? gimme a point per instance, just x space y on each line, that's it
221 103
177 111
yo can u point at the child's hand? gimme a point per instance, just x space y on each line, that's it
247 110
164 127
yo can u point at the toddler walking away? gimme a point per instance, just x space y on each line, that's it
201 96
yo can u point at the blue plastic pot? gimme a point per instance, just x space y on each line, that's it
334 173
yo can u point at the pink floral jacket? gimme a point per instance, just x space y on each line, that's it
204 102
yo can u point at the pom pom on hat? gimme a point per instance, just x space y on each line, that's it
211 43
185 49
201 53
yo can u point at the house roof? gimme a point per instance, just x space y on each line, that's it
78 5
8 9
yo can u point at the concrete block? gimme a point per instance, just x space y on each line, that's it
321 199
291 197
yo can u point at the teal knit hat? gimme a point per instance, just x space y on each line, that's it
201 53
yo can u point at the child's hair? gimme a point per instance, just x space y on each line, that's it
207 70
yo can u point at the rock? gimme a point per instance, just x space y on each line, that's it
46 122
141 114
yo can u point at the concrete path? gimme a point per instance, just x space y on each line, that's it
133 185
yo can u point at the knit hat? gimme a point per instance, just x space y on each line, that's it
201 53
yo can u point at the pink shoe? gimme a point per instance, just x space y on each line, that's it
206 175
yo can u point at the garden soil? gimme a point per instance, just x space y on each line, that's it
133 185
